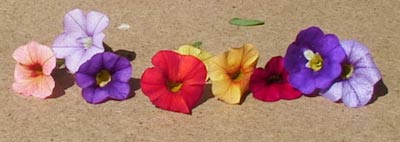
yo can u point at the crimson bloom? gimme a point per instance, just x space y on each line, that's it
271 83
176 82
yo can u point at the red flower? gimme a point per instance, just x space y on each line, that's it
271 84
176 82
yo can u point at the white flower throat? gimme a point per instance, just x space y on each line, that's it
86 41
315 60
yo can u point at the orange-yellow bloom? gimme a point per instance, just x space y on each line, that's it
230 72
35 62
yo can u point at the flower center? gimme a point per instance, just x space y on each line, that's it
236 76
37 70
103 78
174 86
315 60
87 42
274 79
347 71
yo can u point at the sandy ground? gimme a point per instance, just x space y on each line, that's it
158 25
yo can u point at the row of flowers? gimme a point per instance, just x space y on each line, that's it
315 63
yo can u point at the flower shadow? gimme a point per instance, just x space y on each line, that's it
207 94
134 84
130 55
63 80
380 90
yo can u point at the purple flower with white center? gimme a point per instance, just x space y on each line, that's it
355 85
82 38
105 76
314 60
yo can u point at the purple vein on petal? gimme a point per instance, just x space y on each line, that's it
355 93
81 26
97 24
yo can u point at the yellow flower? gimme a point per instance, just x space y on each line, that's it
197 52
230 72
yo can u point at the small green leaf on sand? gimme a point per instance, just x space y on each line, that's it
245 22
197 44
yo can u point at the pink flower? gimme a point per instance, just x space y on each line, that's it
35 62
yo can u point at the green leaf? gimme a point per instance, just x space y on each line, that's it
245 22
197 44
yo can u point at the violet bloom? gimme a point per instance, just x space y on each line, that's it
82 38
313 60
355 86
105 76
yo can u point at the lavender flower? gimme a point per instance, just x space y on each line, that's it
313 60
359 75
82 38
105 76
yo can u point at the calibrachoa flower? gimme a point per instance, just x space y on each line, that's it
355 86
201 54
313 60
194 51
105 76
175 83
230 72
35 62
82 38
271 83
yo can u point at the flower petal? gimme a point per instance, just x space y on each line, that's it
354 50
98 41
309 35
166 62
74 21
96 22
84 80
303 81
153 83
118 90
357 92
335 92
192 70
178 104
227 92
36 53
192 94
41 86
93 66
74 61
94 95
66 44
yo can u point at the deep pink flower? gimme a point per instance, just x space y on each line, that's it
271 83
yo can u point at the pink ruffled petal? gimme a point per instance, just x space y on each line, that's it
40 87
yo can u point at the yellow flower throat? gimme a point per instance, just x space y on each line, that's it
103 78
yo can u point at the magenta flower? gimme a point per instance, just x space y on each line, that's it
355 86
271 83
105 76
313 60
82 38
